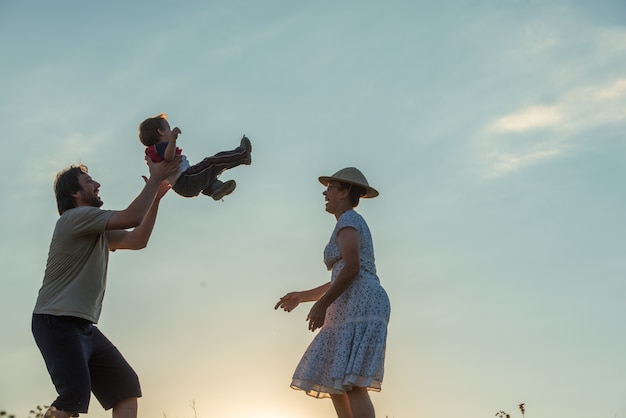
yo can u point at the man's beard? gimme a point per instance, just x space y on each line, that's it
92 200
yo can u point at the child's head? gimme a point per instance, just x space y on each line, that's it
149 129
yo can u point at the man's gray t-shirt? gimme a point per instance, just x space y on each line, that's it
75 278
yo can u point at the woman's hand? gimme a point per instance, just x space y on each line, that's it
317 315
289 302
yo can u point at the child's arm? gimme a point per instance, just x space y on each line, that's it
170 151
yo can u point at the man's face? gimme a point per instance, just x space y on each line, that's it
88 195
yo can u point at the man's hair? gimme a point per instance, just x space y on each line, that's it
148 134
66 184
354 192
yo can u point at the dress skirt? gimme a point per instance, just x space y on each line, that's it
349 349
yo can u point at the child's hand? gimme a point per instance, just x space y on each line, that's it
175 132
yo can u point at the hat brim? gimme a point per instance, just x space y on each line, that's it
370 192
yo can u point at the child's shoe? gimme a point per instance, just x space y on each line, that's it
218 189
247 145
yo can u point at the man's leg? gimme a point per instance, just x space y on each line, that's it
113 381
52 412
125 409
64 344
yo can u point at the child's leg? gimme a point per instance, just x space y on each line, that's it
199 177
223 160
218 189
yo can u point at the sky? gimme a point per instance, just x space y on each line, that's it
493 129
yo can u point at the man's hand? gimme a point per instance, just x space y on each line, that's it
164 169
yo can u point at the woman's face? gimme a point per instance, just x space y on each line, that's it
335 197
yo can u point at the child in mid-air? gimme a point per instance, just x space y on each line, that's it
160 141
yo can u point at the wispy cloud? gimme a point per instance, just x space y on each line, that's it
541 132
504 163
530 118
614 91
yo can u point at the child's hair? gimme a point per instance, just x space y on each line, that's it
148 134
66 184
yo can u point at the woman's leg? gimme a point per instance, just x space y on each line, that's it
360 403
342 405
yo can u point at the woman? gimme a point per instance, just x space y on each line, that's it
346 358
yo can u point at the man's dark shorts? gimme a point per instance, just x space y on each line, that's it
81 360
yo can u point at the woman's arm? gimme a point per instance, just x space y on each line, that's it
292 299
348 241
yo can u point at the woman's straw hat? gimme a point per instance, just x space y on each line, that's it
353 176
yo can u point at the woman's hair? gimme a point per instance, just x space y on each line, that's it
354 192
66 184
148 134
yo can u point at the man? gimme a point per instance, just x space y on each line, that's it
79 358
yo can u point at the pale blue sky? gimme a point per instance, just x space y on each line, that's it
494 130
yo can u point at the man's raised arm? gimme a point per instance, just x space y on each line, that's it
134 214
